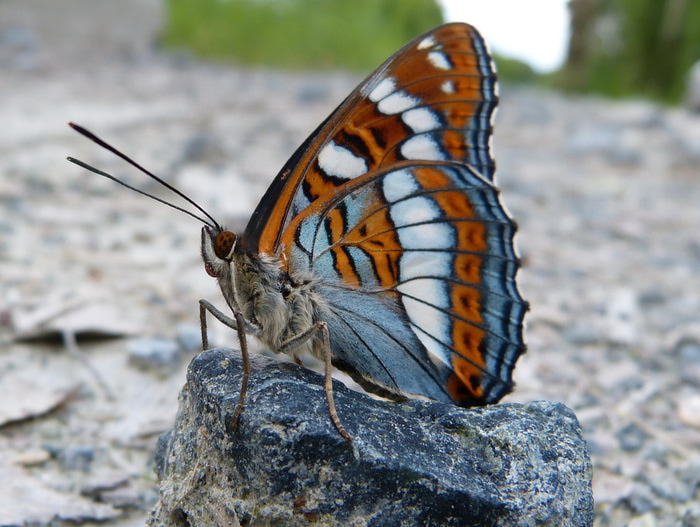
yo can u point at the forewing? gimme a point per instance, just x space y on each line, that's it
432 245
432 100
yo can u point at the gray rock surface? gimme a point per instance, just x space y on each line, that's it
414 463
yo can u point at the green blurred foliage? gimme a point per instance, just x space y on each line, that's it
632 47
356 35
515 71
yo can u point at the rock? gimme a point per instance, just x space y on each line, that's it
412 463
34 391
28 500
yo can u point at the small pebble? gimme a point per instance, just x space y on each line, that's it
32 457
646 520
631 437
668 486
691 517
76 457
189 336
689 411
690 472
687 351
103 480
641 501
121 497
153 353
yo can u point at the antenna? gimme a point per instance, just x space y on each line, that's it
213 223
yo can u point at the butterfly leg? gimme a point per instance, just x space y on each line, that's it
237 323
328 380
328 384
204 306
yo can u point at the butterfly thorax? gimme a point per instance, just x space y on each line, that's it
276 306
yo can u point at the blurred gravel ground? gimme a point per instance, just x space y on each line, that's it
607 196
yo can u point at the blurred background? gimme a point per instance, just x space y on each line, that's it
617 48
597 143
613 47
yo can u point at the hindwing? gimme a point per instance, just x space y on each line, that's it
431 244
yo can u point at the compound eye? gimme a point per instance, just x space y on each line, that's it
223 244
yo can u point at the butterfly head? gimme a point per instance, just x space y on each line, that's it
218 246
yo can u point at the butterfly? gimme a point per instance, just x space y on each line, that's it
382 247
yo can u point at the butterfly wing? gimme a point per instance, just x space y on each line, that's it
416 265
433 99
390 206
